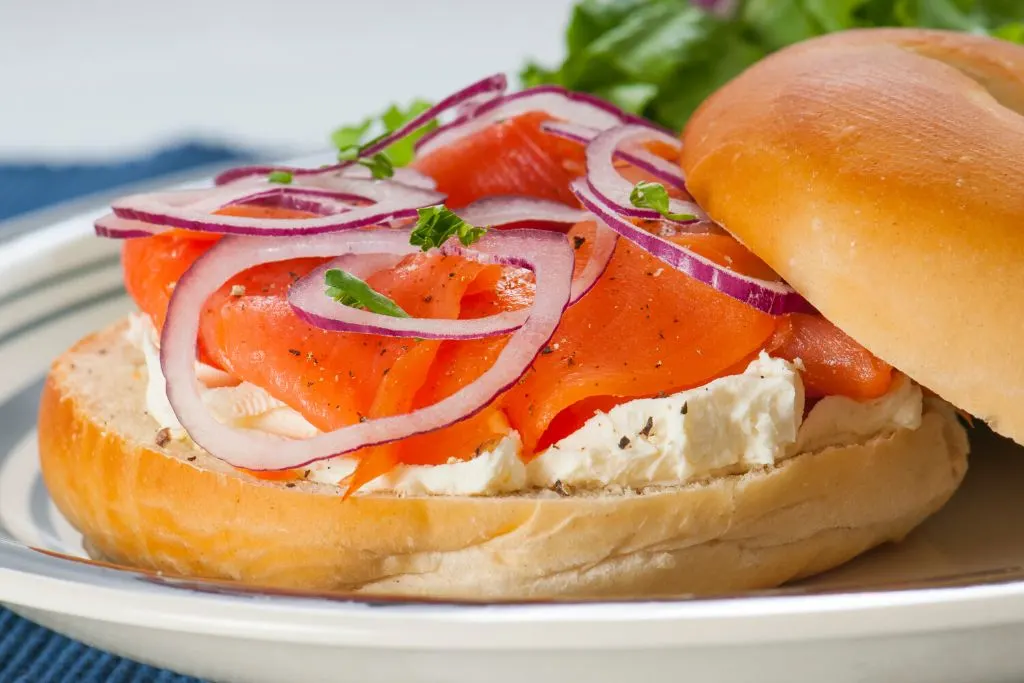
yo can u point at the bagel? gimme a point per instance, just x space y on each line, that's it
874 171
175 509
878 172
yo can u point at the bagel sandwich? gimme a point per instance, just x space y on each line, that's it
655 388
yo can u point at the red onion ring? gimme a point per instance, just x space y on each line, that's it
605 240
488 87
662 169
404 175
775 298
361 266
192 209
112 227
612 188
321 203
546 253
502 210
309 302
559 102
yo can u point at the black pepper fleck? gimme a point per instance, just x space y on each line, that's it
386 371
578 241
428 298
191 458
362 418
562 489
624 441
295 352
290 484
546 350
685 409
648 426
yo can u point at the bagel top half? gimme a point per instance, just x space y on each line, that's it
881 173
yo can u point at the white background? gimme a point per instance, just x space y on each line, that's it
99 79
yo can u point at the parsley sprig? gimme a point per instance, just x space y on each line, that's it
379 164
436 224
647 195
349 290
351 140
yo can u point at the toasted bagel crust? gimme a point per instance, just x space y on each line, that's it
879 173
175 509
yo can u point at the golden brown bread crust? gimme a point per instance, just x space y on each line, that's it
880 173
177 510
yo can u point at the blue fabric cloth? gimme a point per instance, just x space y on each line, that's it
30 653
27 186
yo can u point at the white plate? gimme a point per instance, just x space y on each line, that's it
945 605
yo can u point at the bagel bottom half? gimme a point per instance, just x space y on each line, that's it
175 509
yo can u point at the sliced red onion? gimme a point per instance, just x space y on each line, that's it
120 228
558 102
775 298
310 303
548 254
490 86
606 182
361 266
662 169
192 209
502 210
309 201
404 175
601 254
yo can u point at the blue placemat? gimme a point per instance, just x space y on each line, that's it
30 653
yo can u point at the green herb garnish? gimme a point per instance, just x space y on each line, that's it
399 153
646 195
661 58
282 177
379 164
438 223
349 290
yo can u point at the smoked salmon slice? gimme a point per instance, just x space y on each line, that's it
511 157
645 329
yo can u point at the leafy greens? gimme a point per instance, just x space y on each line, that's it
662 58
